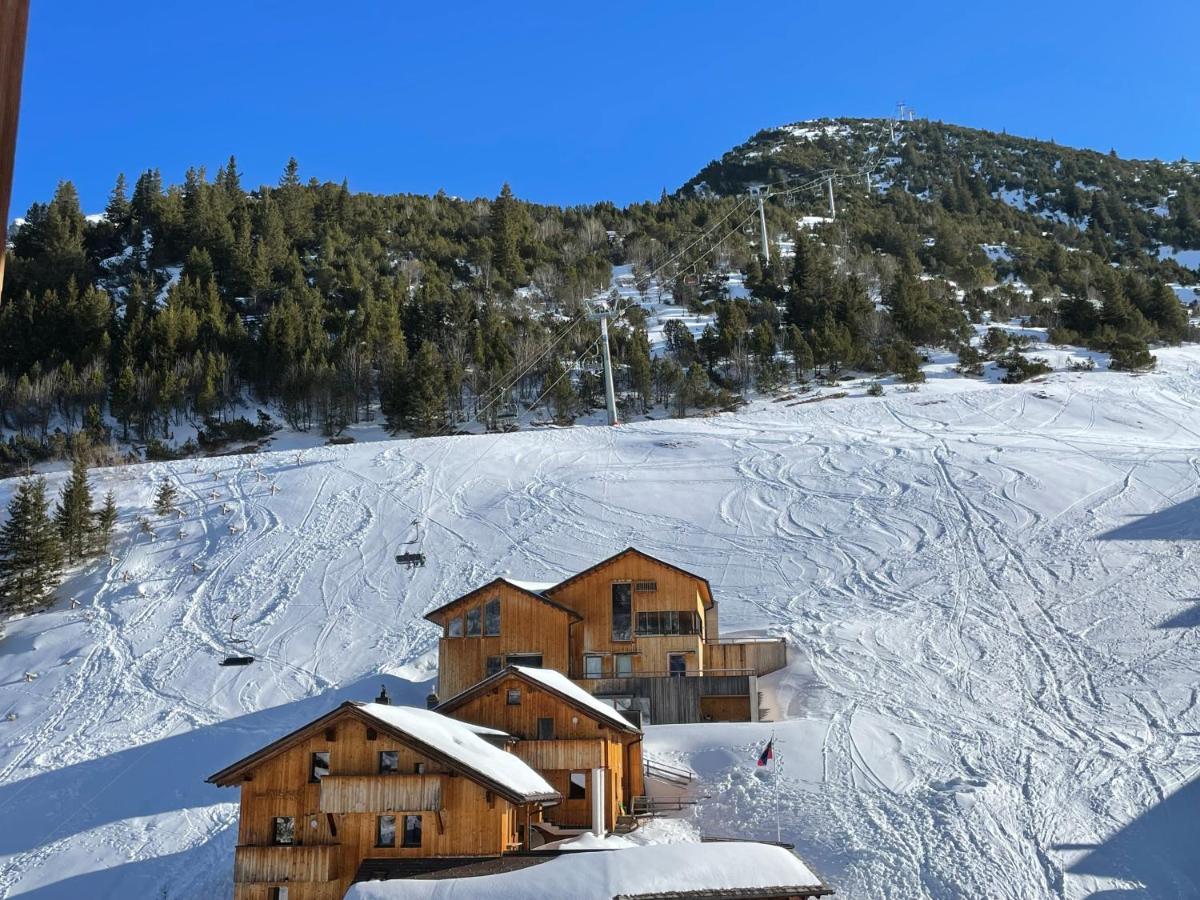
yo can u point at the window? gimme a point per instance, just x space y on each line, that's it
624 664
320 766
514 697
677 664
545 730
532 660
593 666
646 587
278 893
668 621
493 665
283 830
491 617
385 831
473 622
412 831
622 612
419 768
389 762
577 786
454 629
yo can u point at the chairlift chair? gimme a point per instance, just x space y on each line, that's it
412 559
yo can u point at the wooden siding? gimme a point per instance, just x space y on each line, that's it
591 597
580 742
472 821
566 754
254 864
758 656
675 700
381 793
526 626
725 709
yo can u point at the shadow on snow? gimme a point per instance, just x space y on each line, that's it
160 777
1180 522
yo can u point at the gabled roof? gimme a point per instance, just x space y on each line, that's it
453 743
554 683
708 594
436 615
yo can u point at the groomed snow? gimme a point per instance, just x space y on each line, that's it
989 592
605 874
463 743
556 681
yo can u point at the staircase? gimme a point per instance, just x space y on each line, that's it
672 794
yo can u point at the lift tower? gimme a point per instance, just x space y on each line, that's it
610 398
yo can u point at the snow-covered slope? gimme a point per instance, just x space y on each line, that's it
989 592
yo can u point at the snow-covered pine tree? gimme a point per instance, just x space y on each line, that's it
73 516
105 522
164 498
30 552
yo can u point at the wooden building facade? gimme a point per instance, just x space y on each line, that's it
615 629
368 780
563 733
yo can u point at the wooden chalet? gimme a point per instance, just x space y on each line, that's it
576 742
371 780
635 630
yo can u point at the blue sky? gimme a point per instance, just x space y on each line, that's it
569 102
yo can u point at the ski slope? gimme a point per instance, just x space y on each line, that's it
989 590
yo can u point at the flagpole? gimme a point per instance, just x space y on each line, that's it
778 831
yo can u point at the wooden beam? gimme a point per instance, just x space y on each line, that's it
14 23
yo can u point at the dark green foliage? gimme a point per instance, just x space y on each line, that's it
1018 368
30 554
106 521
73 516
164 497
1127 353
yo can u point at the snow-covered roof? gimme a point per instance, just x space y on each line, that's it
557 681
465 747
534 587
649 870
462 743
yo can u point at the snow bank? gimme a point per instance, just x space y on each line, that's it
605 874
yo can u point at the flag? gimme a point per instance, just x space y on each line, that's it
767 754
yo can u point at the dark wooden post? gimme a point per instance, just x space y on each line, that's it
14 22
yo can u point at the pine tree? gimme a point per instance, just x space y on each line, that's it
106 521
164 498
506 253
30 553
73 517
426 391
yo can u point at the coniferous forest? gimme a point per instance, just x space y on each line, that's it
203 303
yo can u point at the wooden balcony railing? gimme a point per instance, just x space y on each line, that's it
294 862
381 793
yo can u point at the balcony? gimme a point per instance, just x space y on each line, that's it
381 793
293 862
757 656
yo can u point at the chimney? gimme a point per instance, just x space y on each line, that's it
383 697
431 700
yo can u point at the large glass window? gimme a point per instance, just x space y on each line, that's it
622 612
532 660
320 766
577 787
545 729
593 666
624 664
473 622
389 761
283 830
454 629
493 665
491 617
385 831
514 697
668 621
412 831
